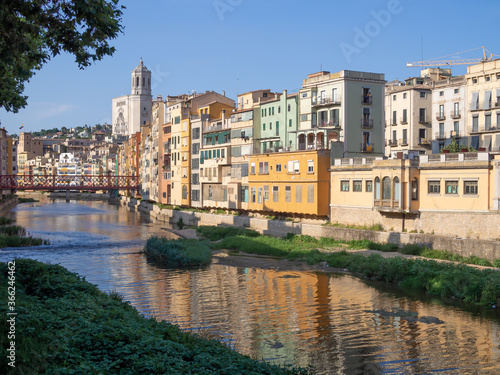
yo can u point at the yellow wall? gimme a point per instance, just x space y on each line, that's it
319 179
186 160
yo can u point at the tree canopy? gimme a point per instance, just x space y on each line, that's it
34 31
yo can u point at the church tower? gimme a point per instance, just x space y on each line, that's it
141 80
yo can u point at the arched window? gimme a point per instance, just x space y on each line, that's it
386 188
396 189
136 81
149 82
143 81
184 192
377 188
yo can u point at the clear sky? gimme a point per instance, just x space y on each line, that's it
244 45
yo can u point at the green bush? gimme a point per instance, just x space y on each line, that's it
12 230
5 220
411 249
178 253
496 263
214 233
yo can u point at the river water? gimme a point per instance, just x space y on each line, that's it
336 323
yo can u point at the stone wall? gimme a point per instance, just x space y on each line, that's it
488 249
7 204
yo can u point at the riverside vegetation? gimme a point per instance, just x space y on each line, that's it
449 280
178 253
65 325
15 235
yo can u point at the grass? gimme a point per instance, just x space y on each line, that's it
65 325
15 236
27 200
217 233
178 253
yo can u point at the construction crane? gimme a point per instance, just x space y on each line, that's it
439 63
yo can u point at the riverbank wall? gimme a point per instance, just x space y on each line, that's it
280 228
7 204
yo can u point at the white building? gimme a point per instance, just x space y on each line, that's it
131 111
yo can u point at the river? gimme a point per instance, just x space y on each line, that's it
336 323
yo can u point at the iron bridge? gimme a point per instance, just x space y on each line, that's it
64 182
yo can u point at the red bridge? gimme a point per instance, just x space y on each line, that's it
60 182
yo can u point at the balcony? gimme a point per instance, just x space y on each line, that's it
455 134
484 129
316 102
392 142
403 142
455 115
497 104
215 127
403 121
440 116
367 147
439 135
366 99
330 124
366 123
423 120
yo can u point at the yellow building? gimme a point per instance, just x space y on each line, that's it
290 182
449 194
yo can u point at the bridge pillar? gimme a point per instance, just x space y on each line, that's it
67 195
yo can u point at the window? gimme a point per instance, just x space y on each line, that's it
278 167
470 187
441 130
195 195
310 193
456 127
310 166
487 121
456 109
288 193
298 194
252 195
422 94
279 109
266 193
421 115
441 93
396 189
474 104
488 78
377 188
304 94
451 187
404 95
344 185
386 188
405 137
290 123
441 111
394 98
475 123
264 126
357 186
293 166
369 186
276 191
394 117
252 168
264 167
304 117
244 194
289 107
184 192
271 125
405 116
456 91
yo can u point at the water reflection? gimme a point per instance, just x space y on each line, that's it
336 323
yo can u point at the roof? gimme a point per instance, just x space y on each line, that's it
141 67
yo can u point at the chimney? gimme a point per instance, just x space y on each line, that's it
285 93
223 92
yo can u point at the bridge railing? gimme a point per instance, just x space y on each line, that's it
62 182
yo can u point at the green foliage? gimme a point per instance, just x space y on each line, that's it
178 253
214 233
480 287
411 249
446 255
27 200
496 263
12 230
5 220
67 326
32 32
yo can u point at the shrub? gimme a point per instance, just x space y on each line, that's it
496 263
214 233
178 253
5 220
12 230
411 249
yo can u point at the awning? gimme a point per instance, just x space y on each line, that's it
487 100
486 142
475 101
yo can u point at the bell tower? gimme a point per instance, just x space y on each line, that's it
141 80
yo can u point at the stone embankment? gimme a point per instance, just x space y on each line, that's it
7 204
279 228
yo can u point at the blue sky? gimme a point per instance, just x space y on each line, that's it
244 45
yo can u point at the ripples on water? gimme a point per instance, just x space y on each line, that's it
335 323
